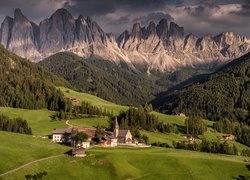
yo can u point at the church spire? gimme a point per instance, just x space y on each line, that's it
116 128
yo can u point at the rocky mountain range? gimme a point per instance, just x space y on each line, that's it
163 46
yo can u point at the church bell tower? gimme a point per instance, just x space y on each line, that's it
116 128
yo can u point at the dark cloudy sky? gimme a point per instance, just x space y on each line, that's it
197 16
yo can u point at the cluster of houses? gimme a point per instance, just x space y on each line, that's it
189 139
109 139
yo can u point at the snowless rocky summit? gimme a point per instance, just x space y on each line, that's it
163 46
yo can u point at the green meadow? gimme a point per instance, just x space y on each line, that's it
94 100
90 122
39 120
18 149
136 163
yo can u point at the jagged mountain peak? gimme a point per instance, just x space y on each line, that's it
62 11
162 28
161 46
7 18
136 31
18 13
63 14
151 29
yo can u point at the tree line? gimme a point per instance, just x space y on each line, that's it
140 118
208 146
16 125
195 126
80 111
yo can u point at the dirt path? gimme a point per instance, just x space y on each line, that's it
25 165
70 125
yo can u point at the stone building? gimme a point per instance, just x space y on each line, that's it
123 136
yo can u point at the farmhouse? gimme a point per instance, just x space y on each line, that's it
61 135
123 135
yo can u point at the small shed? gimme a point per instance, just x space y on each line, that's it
78 152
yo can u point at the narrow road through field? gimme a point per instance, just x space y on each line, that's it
25 165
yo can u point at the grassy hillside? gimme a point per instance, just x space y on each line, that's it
94 100
149 163
18 149
39 120
90 122
226 94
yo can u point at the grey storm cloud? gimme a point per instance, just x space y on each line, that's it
156 17
103 7
121 20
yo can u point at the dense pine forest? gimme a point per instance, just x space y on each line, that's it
105 79
141 118
226 94
25 85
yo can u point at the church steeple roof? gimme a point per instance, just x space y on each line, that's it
116 125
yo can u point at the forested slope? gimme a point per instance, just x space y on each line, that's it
25 85
226 94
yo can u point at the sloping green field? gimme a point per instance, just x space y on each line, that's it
39 120
90 122
94 100
18 149
131 163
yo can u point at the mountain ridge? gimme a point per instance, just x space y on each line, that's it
163 46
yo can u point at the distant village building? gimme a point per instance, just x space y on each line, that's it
228 137
78 152
123 135
61 135
181 114
109 141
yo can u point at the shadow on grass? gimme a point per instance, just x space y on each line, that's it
68 152
248 167
244 177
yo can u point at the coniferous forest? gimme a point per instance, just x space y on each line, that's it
25 85
226 94
142 119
